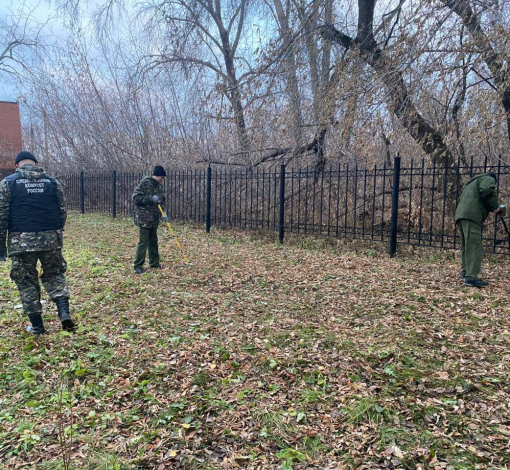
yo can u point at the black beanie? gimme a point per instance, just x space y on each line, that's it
24 155
159 171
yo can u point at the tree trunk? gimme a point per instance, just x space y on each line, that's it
291 73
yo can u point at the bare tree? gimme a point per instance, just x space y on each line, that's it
200 29
399 100
497 62
20 35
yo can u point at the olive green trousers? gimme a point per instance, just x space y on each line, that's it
471 247
148 241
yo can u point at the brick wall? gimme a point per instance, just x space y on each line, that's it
10 133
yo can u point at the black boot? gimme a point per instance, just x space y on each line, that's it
37 327
63 313
469 281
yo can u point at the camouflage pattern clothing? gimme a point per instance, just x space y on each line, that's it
147 214
27 247
24 274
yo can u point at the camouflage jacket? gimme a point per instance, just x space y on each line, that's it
147 214
21 242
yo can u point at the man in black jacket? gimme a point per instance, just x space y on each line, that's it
33 212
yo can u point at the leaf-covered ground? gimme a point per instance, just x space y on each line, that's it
314 354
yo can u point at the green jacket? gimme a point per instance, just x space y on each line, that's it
22 242
478 199
146 213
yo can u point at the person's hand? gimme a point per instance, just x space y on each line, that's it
3 255
155 199
165 218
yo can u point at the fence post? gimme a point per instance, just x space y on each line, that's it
208 201
82 193
282 204
114 194
394 205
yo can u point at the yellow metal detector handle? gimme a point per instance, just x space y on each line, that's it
173 234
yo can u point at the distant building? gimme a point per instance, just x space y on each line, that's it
10 133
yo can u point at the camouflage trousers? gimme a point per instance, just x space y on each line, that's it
24 274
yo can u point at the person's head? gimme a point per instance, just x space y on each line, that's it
493 175
159 174
23 158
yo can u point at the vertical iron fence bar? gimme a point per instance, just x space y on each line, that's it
222 197
394 206
274 205
208 201
263 197
268 198
373 201
282 204
291 200
216 196
364 202
410 203
299 201
431 228
329 198
223 187
257 202
82 193
177 196
444 203
355 201
182 194
496 215
471 168
238 187
321 206
230 180
185 195
241 198
235 197
187 201
180 176
251 196
485 164
456 201
346 201
191 198
246 200
314 191
306 201
114 194
199 193
383 201
421 201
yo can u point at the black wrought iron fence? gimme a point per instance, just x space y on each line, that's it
413 205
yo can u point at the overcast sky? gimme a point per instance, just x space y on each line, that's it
41 12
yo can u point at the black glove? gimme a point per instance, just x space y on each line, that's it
155 199
3 255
